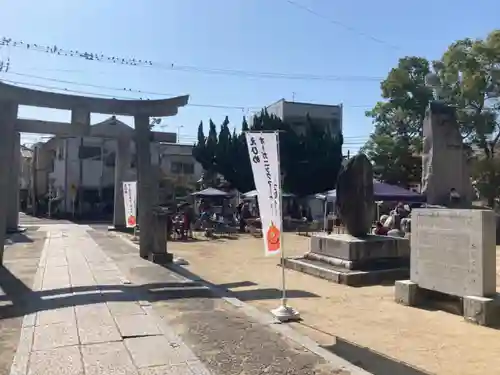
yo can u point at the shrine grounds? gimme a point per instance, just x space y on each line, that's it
361 321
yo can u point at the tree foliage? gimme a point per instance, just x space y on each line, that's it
396 142
309 162
467 77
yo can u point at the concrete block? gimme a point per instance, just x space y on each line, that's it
157 351
118 308
96 314
407 293
347 247
107 358
161 258
60 315
137 325
90 333
182 369
55 335
453 251
481 310
59 361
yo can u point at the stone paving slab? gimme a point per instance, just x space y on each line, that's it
66 360
85 319
107 359
224 336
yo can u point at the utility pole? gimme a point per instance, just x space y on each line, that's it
179 132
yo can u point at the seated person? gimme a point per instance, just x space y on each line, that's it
380 230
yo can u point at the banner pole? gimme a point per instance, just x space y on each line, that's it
284 313
283 273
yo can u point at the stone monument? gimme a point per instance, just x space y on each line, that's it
453 252
444 162
355 203
357 257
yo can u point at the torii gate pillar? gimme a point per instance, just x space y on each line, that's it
8 117
81 107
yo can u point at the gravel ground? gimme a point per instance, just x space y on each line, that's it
367 320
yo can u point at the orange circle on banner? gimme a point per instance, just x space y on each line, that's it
131 220
273 238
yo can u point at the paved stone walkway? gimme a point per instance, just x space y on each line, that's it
84 317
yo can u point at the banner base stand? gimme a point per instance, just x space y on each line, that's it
286 314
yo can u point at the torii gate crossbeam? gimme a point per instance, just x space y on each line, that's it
11 97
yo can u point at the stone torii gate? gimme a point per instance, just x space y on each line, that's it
11 97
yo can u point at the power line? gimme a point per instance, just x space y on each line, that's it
353 140
343 25
143 92
99 57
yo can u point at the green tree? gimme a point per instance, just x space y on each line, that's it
396 142
223 152
469 79
309 163
466 77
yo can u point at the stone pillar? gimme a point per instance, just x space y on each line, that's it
444 161
122 165
13 211
145 199
8 117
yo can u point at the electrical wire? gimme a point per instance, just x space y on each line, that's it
353 140
143 92
343 25
99 57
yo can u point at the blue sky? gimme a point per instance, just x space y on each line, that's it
246 35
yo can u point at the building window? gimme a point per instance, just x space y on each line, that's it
176 168
181 168
89 152
60 153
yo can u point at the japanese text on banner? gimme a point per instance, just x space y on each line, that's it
130 200
264 158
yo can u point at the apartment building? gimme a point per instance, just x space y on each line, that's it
67 165
295 113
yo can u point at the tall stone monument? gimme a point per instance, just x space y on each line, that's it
357 257
444 162
355 203
452 249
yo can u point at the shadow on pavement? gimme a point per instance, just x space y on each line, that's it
371 361
243 295
13 238
238 284
19 300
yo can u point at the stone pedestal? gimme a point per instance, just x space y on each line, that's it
453 253
354 261
481 310
159 253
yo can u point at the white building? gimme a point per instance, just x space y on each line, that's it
295 114
67 165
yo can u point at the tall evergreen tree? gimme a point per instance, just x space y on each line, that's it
309 162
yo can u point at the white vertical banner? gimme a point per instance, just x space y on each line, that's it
264 156
130 198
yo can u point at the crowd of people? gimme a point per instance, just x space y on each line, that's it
396 223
